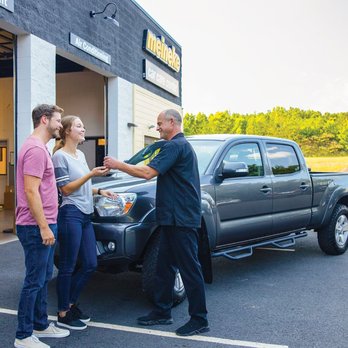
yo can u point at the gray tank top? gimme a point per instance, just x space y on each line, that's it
67 169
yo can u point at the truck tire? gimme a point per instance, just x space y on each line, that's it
333 239
149 273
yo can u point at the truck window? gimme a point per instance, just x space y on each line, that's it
283 159
248 153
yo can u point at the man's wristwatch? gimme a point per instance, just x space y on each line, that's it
99 190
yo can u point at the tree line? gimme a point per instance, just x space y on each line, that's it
318 134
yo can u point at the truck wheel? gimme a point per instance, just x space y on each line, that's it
149 273
333 239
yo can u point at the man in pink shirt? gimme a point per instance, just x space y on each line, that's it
36 225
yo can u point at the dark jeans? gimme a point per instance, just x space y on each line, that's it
32 309
179 249
76 242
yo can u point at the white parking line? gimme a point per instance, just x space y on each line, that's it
167 334
8 241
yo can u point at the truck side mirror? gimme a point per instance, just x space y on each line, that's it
234 170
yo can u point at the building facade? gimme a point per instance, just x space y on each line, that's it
116 70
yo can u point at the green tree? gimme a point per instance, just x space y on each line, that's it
189 122
317 134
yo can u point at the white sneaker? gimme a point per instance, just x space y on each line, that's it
52 331
30 342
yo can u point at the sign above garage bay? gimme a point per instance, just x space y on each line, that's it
89 48
7 4
156 45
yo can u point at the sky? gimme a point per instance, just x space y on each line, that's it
248 56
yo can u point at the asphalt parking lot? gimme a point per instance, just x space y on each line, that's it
275 299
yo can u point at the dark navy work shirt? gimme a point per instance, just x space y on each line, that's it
178 196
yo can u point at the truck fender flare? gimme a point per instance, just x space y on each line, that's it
207 236
150 216
337 197
209 217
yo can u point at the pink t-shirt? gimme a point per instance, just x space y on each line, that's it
35 160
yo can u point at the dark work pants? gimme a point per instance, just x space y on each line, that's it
179 249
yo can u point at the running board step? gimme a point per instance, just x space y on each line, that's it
237 253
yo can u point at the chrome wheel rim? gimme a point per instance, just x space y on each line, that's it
341 230
178 285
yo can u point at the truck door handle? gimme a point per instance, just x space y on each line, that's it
304 186
265 189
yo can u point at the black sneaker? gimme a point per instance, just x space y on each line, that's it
193 327
155 319
76 311
70 321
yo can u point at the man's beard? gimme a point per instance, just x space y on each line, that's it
54 133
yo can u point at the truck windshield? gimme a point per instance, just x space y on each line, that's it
205 150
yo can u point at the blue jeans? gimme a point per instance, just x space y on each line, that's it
76 243
32 309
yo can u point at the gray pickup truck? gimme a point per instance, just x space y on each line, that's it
256 191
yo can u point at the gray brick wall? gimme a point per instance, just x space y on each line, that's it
54 20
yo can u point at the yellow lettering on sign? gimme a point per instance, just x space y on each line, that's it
158 47
170 58
151 41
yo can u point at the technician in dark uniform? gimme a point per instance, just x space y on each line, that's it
178 210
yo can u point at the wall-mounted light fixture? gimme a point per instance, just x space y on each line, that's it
111 18
130 124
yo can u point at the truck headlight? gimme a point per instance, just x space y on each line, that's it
115 207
